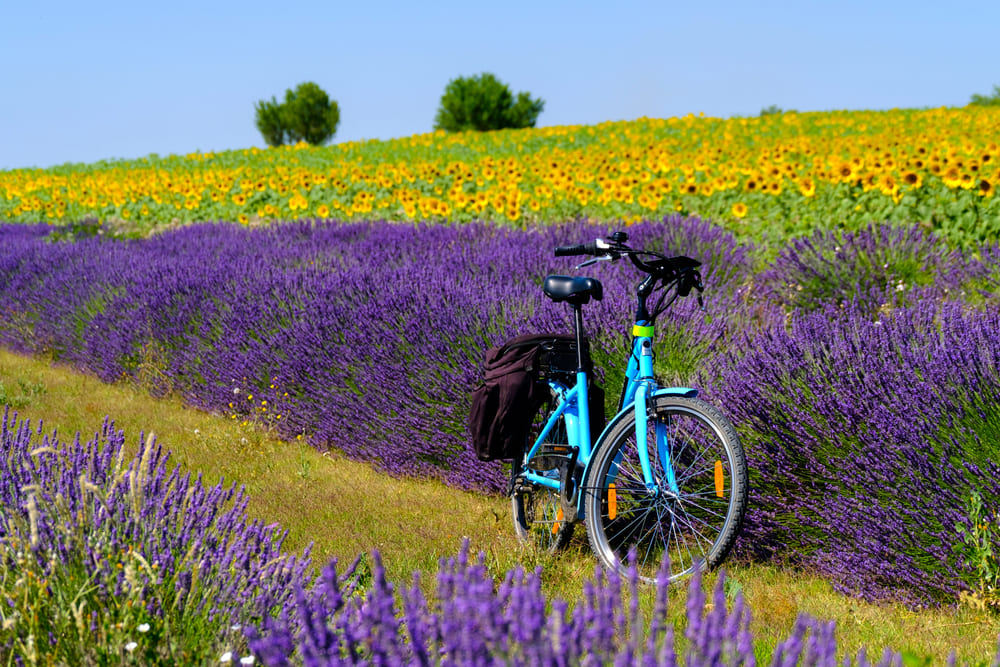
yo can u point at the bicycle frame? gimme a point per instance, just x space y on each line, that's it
640 386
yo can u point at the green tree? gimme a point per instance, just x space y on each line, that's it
270 122
987 100
307 114
310 115
483 103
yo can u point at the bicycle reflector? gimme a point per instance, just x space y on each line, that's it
612 502
559 518
719 479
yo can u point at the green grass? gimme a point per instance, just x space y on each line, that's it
345 508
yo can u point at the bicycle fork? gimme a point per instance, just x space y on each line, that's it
642 405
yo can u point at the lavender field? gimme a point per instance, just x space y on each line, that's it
860 369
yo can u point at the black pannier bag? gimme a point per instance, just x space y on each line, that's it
514 389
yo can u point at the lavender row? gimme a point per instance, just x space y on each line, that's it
92 538
476 620
857 367
864 440
367 338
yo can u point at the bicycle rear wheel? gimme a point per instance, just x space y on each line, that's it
538 514
694 524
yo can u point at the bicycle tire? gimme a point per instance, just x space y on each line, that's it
695 528
537 510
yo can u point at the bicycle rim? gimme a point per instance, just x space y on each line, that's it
538 514
692 525
538 518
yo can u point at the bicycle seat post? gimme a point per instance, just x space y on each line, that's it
578 327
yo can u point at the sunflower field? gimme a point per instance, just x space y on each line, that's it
773 176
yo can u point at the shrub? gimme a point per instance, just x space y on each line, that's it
874 268
270 122
992 100
104 554
483 103
863 439
310 115
307 114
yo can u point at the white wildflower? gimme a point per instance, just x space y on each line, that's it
249 660
226 657
144 627
130 646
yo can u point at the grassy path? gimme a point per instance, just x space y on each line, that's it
341 506
345 508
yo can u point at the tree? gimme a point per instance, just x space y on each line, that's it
307 114
483 103
987 100
310 115
270 123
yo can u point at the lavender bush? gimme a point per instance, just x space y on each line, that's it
101 551
475 620
864 438
875 267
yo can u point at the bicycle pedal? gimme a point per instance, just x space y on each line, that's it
552 457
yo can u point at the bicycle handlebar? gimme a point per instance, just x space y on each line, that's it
581 249
681 271
615 248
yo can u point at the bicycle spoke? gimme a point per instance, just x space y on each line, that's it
689 523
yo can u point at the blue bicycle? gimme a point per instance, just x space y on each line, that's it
667 476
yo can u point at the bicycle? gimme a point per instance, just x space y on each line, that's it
667 476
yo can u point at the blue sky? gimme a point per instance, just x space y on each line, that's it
85 81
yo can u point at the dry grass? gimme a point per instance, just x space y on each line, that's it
344 508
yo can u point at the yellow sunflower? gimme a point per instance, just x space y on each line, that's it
739 209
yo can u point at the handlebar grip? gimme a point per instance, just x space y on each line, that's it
566 250
582 249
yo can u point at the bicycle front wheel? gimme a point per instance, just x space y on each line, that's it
692 511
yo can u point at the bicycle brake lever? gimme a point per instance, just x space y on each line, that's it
594 260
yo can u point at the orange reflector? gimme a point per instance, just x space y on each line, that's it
559 518
719 480
612 501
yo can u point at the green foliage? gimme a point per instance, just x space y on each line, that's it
978 540
270 122
22 396
310 115
987 100
483 103
307 114
772 110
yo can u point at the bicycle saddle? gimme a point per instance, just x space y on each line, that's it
575 290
